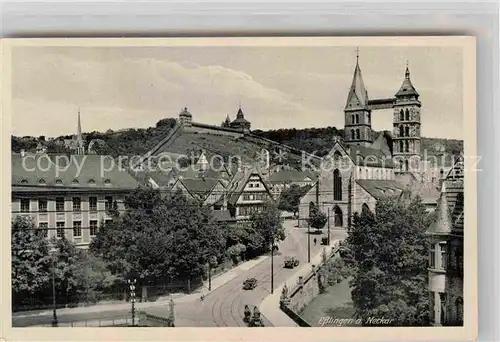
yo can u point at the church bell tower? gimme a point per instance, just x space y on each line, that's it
406 126
357 114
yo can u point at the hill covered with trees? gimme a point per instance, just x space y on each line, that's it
139 141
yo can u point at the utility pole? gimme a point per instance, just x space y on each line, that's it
272 265
132 298
328 239
308 242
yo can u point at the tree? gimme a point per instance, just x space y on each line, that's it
387 252
269 224
68 269
317 218
30 260
159 238
290 198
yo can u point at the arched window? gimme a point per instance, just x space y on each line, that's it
459 306
352 134
407 115
353 119
407 131
357 118
401 115
337 185
338 219
407 168
365 209
357 134
407 146
401 131
401 146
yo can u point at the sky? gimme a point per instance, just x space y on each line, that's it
278 87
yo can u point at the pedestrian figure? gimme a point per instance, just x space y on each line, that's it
314 241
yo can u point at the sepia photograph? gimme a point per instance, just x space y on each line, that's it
239 183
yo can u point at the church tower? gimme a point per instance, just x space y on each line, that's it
406 125
357 114
80 146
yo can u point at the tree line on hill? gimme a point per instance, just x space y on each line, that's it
139 141
157 240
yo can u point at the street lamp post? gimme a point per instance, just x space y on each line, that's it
308 242
132 298
272 265
328 239
55 322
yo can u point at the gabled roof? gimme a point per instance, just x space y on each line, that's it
239 181
82 171
407 87
358 96
200 189
382 189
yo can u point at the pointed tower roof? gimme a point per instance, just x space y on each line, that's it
407 87
443 223
79 129
358 96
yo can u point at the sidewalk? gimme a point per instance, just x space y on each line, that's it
270 306
217 282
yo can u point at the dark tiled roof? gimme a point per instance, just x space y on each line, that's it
96 172
382 189
291 176
223 216
200 189
237 184
368 156
407 87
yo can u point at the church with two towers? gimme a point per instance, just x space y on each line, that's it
365 166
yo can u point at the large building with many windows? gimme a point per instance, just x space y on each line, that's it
68 195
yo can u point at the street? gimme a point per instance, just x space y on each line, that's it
223 306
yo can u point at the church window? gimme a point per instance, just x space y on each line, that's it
369 117
337 186
400 131
352 134
407 114
407 166
338 221
401 115
357 118
407 131
357 134
401 146
407 146
353 119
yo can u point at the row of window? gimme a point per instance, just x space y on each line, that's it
404 115
76 204
404 131
60 182
446 259
77 228
247 211
255 197
355 134
404 146
355 119
254 185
